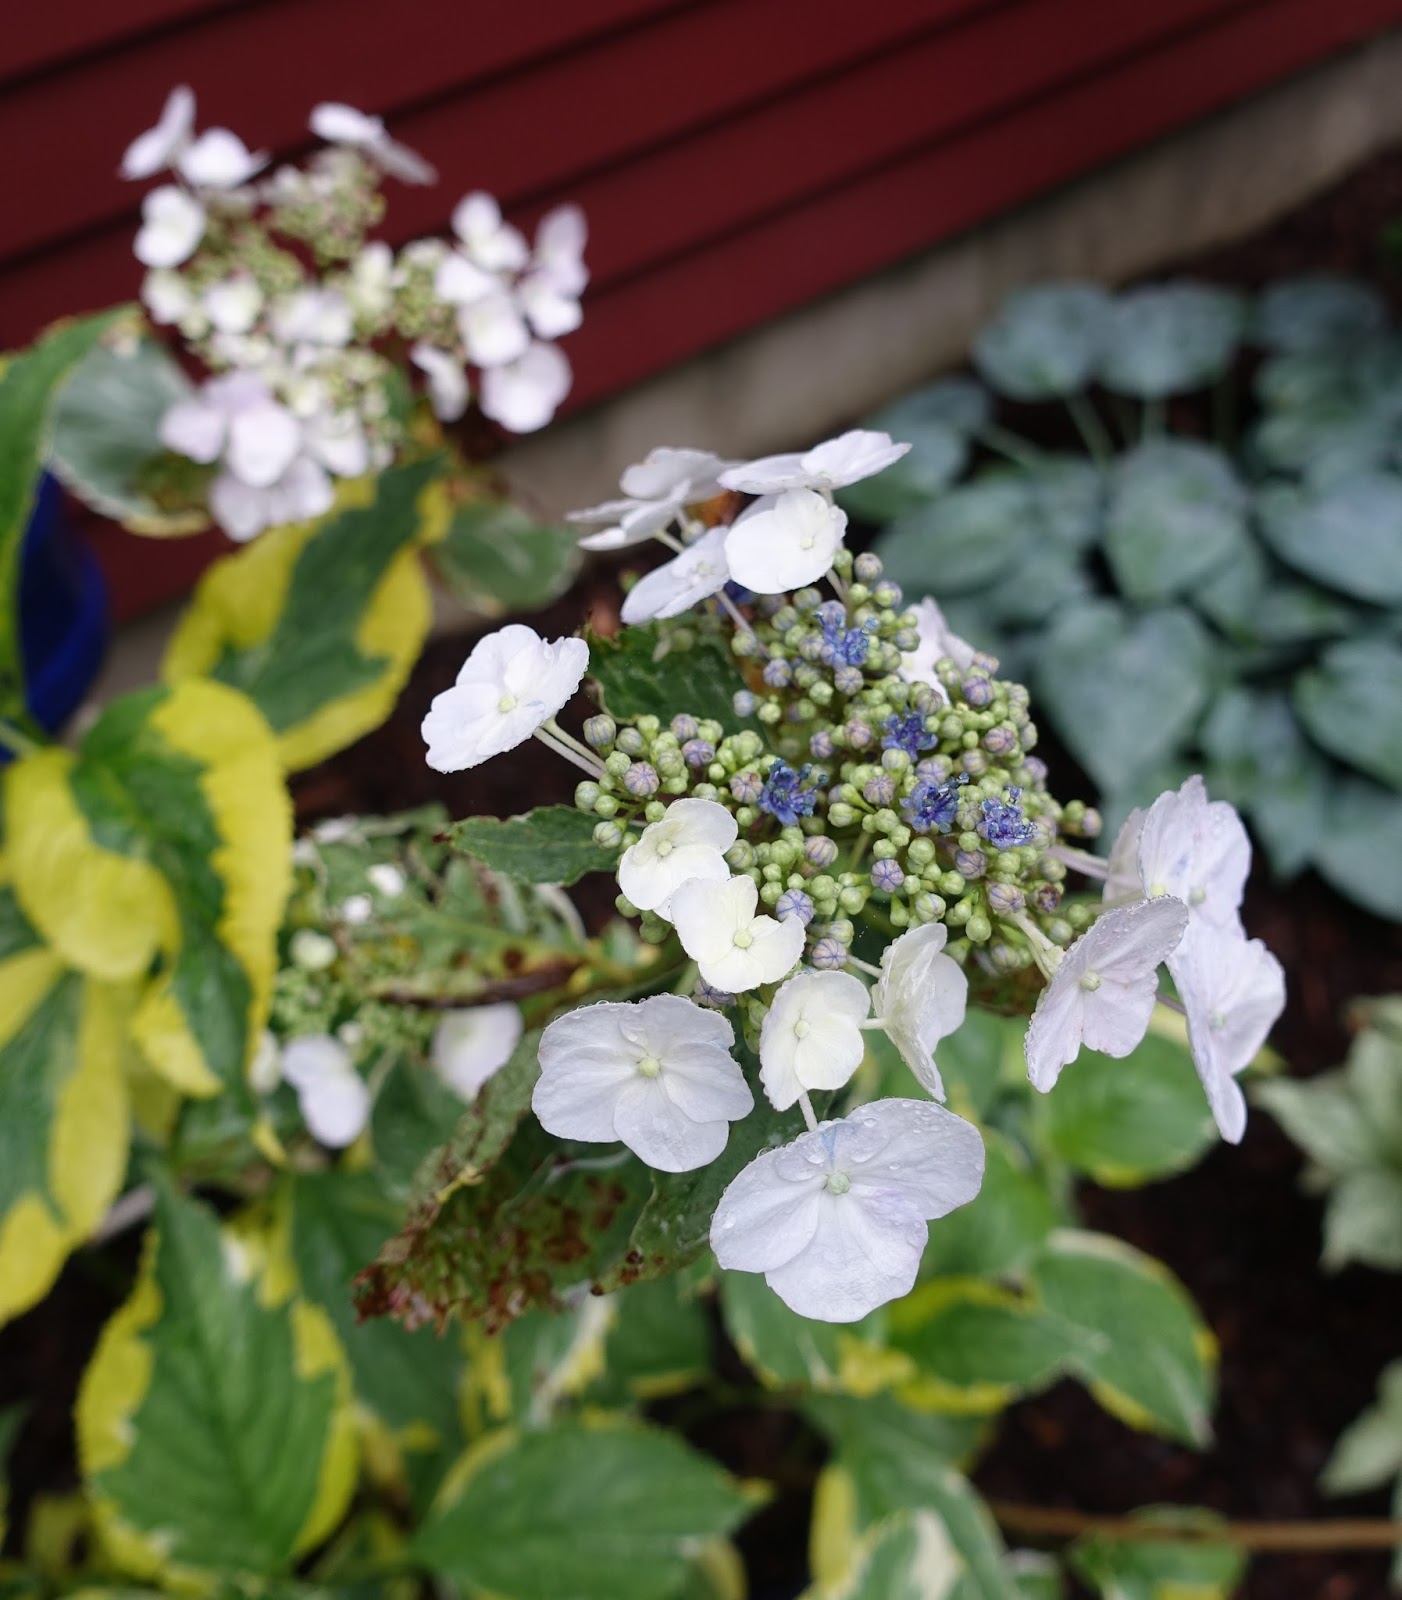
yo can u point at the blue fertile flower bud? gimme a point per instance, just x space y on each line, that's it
747 787
820 851
828 954
784 796
641 780
932 806
907 732
887 875
743 703
777 674
1003 824
820 744
698 753
684 726
794 903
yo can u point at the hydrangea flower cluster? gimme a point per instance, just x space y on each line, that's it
306 360
869 841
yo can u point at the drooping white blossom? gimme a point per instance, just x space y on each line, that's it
811 1037
1122 876
1103 991
331 1095
385 879
472 1044
560 237
448 391
525 394
219 159
485 238
937 641
511 683
655 493
167 296
677 585
690 841
1196 849
785 541
314 316
172 225
837 1220
233 305
156 149
921 997
1233 990
733 948
656 1074
244 510
850 457
342 124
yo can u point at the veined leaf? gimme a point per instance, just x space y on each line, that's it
28 384
64 1112
785 1348
214 1421
496 553
638 674
552 844
601 1513
1161 1569
319 623
163 846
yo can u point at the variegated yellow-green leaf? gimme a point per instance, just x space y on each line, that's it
319 623
162 847
63 1108
214 1421
28 384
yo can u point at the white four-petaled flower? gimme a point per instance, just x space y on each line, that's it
525 394
811 1037
156 149
920 997
172 225
656 1074
837 1220
734 948
511 683
689 842
333 1098
784 541
655 491
677 585
1196 849
343 124
472 1044
1104 988
852 456
937 641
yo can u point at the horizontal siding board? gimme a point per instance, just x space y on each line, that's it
716 292
36 36
295 52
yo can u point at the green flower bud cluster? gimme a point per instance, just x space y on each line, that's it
331 206
872 796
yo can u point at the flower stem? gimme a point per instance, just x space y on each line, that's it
865 966
1044 952
1082 860
1010 445
806 1106
1333 1533
593 766
1090 428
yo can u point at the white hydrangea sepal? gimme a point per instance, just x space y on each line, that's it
852 456
689 842
937 641
156 149
1197 850
332 1097
837 1221
700 571
921 996
784 542
811 1037
471 1044
734 949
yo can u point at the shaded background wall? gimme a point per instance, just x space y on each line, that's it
736 158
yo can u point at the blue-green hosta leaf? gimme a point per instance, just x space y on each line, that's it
1124 1123
785 1348
1346 535
552 844
1325 446
28 385
1358 845
1170 338
63 1108
601 1513
1266 767
321 673
214 1421
1124 692
1068 501
1314 381
336 1223
963 540
160 853
495 556
1320 313
1002 1227
1177 513
1045 341
106 433
1161 1569
1351 703
962 404
643 672
1368 1453
1132 1333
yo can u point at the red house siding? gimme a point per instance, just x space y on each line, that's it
736 158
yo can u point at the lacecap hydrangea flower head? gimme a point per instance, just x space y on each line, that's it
309 328
865 842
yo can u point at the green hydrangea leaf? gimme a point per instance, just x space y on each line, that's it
785 1348
1346 535
1170 338
214 1425
1359 851
106 435
1363 1220
322 676
602 1513
552 844
1002 1227
1132 1333
1045 341
496 553
644 671
1127 1122
1124 692
1351 704
659 1343
1163 1569
1177 513
1368 1453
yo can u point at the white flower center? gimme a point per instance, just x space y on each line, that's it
802 1028
508 701
1090 981
1196 895
838 1183
649 1066
664 848
743 939
1215 1019
1156 889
